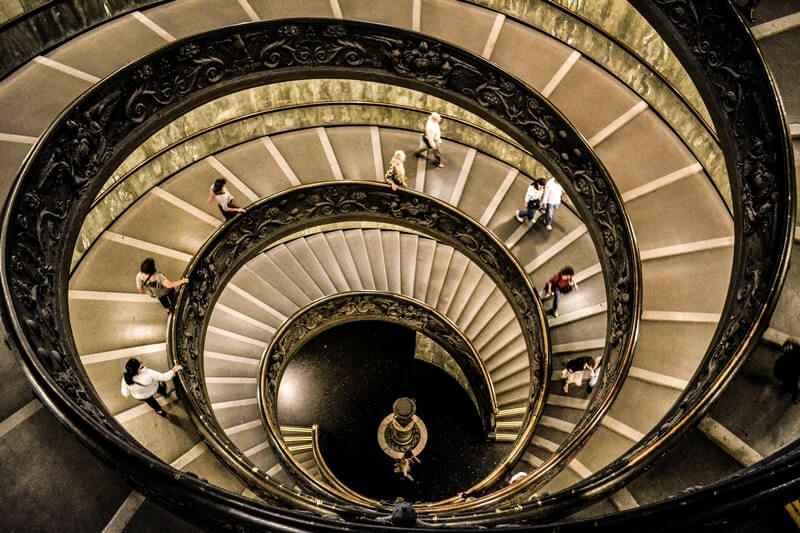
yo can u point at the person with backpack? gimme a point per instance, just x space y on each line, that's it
143 383
533 197
551 199
573 371
156 284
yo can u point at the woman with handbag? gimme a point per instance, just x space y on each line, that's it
143 383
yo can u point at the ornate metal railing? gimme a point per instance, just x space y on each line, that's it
725 63
294 210
77 154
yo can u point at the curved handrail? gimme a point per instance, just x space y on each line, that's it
351 306
77 153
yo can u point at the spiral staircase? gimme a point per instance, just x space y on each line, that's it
690 230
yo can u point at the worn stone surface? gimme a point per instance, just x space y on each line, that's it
233 133
624 23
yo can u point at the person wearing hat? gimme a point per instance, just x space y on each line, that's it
432 139
143 383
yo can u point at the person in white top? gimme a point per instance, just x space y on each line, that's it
432 139
143 383
551 199
225 200
533 197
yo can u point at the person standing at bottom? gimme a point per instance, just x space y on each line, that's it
403 465
225 200
551 199
396 173
143 383
156 284
533 197
432 139
561 283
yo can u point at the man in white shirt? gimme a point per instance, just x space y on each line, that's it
551 199
432 139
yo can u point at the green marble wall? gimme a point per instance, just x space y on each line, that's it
148 167
289 95
623 22
430 352
10 9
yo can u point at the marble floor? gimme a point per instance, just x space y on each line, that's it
346 379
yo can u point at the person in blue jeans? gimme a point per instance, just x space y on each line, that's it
533 198
551 199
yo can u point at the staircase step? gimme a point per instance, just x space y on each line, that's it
466 289
486 287
426 253
353 148
452 282
442 256
265 268
377 259
306 257
341 251
408 263
391 254
291 267
358 249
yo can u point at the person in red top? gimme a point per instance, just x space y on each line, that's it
561 283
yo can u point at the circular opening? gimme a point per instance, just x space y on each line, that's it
347 380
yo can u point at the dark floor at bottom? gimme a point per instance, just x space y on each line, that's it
346 379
